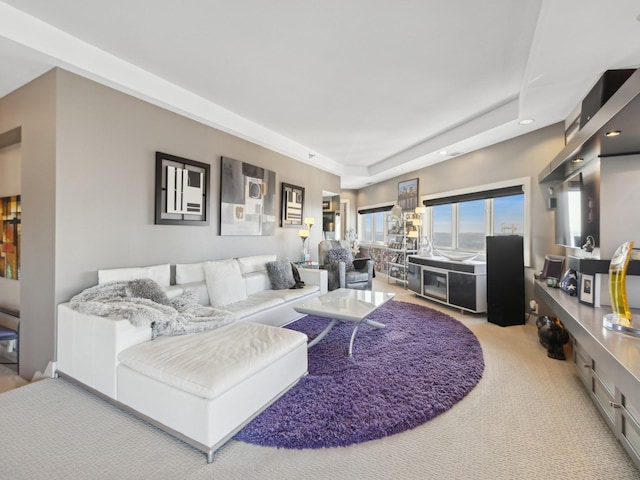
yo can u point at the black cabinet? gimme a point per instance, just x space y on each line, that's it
505 280
457 284
462 290
413 277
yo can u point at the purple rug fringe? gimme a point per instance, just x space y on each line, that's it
419 366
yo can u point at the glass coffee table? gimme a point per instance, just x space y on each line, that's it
345 305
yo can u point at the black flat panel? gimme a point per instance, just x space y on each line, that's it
462 290
602 91
505 280
414 277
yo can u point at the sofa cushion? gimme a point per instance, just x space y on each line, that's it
225 284
280 275
211 363
255 263
189 272
256 282
254 304
290 294
161 274
354 276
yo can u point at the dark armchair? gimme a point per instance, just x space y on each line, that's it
335 256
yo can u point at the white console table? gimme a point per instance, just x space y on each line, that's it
607 362
460 285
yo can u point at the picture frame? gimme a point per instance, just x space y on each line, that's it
326 205
408 194
247 199
292 211
586 289
182 191
10 237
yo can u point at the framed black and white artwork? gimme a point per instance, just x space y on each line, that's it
182 191
292 206
247 199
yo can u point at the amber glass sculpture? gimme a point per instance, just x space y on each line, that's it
617 281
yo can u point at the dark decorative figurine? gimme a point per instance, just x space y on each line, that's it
553 336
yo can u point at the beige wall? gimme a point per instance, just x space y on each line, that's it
88 156
33 109
524 156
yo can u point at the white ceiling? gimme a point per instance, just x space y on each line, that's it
366 89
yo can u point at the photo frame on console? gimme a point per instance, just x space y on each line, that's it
586 290
182 191
292 212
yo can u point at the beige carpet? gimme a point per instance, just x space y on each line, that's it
528 418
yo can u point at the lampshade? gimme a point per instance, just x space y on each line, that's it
420 210
309 221
303 233
413 234
417 221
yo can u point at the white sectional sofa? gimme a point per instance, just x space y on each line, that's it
201 387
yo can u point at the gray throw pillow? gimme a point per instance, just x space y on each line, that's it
341 255
280 274
147 288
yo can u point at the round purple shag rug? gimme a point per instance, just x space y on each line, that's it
399 377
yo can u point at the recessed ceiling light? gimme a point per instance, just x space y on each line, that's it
526 121
577 160
613 133
443 152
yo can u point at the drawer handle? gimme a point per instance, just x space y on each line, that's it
587 365
615 405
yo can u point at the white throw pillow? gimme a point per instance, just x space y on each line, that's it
225 284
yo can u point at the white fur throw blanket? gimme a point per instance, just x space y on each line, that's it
144 303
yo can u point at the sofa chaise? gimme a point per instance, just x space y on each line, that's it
201 387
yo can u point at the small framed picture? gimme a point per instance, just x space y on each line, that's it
292 205
587 287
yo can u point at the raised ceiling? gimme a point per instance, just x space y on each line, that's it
365 89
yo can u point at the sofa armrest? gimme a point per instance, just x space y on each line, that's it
87 347
315 276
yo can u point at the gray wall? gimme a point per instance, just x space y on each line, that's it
89 177
520 157
619 201
33 108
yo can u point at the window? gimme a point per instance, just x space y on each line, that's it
471 225
462 221
372 224
442 226
508 215
378 226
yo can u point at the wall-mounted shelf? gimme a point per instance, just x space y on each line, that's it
594 265
620 112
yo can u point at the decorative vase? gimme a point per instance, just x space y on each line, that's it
620 319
